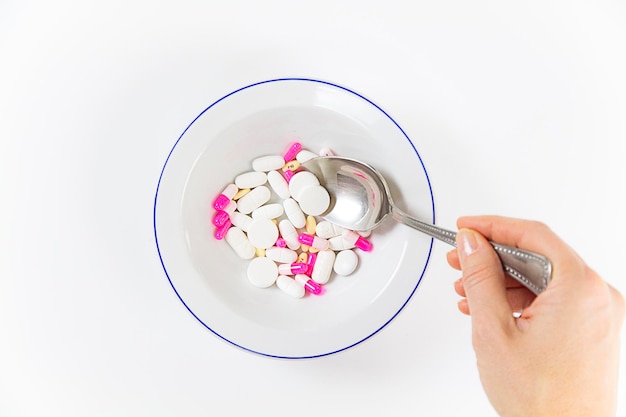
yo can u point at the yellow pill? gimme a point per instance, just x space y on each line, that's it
305 248
310 225
303 257
291 165
313 250
260 252
241 193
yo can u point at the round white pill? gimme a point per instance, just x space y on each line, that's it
290 286
262 272
300 181
346 262
314 200
262 233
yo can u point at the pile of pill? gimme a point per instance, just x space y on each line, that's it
286 243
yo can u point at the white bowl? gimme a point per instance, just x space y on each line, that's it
210 279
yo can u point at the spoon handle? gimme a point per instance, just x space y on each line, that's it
531 269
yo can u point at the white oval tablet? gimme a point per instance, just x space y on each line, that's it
268 211
323 266
289 233
300 181
281 255
339 243
278 184
241 220
326 229
305 155
346 262
250 179
262 233
314 200
268 163
237 240
294 213
254 199
262 272
290 286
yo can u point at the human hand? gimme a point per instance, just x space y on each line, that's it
560 357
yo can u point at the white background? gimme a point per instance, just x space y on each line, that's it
517 108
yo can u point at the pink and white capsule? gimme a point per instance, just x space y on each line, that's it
293 268
289 233
221 216
268 163
289 175
310 263
250 179
293 150
222 200
268 211
323 266
289 286
308 284
238 240
278 184
294 213
357 240
221 231
313 241
254 199
281 255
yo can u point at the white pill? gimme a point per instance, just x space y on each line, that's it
262 233
241 220
268 211
237 240
326 152
262 272
305 155
250 179
346 262
339 243
254 199
289 233
323 266
326 229
300 181
294 213
314 200
268 163
281 255
278 184
290 286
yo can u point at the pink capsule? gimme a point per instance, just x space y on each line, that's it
313 241
289 175
222 200
357 240
309 285
293 150
310 263
281 243
221 216
221 231
294 268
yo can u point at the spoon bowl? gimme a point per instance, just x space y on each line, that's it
360 199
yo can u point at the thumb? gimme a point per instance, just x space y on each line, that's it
483 279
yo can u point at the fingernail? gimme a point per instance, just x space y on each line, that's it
466 242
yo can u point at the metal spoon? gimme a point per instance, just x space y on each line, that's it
360 200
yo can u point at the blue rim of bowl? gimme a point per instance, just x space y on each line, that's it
156 238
